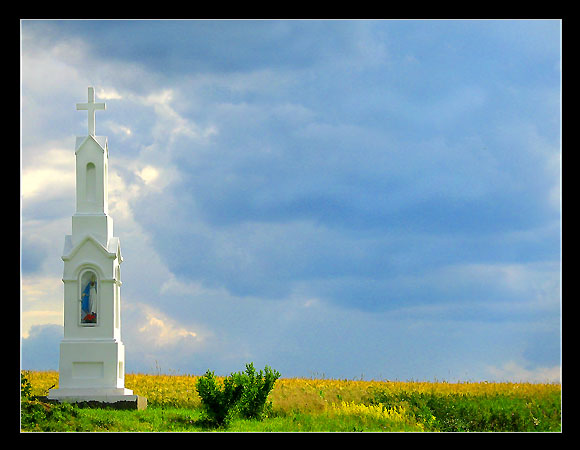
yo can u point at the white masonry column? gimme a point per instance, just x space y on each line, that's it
92 355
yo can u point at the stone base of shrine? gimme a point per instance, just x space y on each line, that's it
120 398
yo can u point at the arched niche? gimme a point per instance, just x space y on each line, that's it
89 290
91 183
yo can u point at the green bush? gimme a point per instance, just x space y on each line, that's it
41 416
257 386
25 386
36 415
461 412
219 402
240 393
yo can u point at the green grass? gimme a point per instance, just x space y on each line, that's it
72 418
157 419
487 412
311 406
427 413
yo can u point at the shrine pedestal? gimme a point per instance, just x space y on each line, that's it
94 398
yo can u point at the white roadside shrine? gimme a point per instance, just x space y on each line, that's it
92 355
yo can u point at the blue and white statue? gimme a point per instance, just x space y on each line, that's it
88 302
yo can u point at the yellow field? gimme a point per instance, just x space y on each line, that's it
292 395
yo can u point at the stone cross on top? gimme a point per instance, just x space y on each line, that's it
91 107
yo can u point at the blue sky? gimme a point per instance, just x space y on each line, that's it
375 198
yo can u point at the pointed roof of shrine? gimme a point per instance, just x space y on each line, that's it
113 249
101 141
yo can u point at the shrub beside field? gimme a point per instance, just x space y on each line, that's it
243 393
174 404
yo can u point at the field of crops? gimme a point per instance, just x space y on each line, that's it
348 405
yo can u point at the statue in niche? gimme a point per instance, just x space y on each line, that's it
89 298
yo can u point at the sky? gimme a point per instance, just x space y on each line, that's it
353 199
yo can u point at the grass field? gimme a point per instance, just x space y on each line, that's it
319 405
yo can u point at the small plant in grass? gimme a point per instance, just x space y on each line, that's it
257 386
240 393
25 386
38 415
219 401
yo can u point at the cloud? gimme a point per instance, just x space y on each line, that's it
368 169
122 131
160 331
40 349
148 174
31 319
42 298
514 372
108 94
32 255
262 244
50 172
228 46
170 125
167 339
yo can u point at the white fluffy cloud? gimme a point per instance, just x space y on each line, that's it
41 302
160 331
516 373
